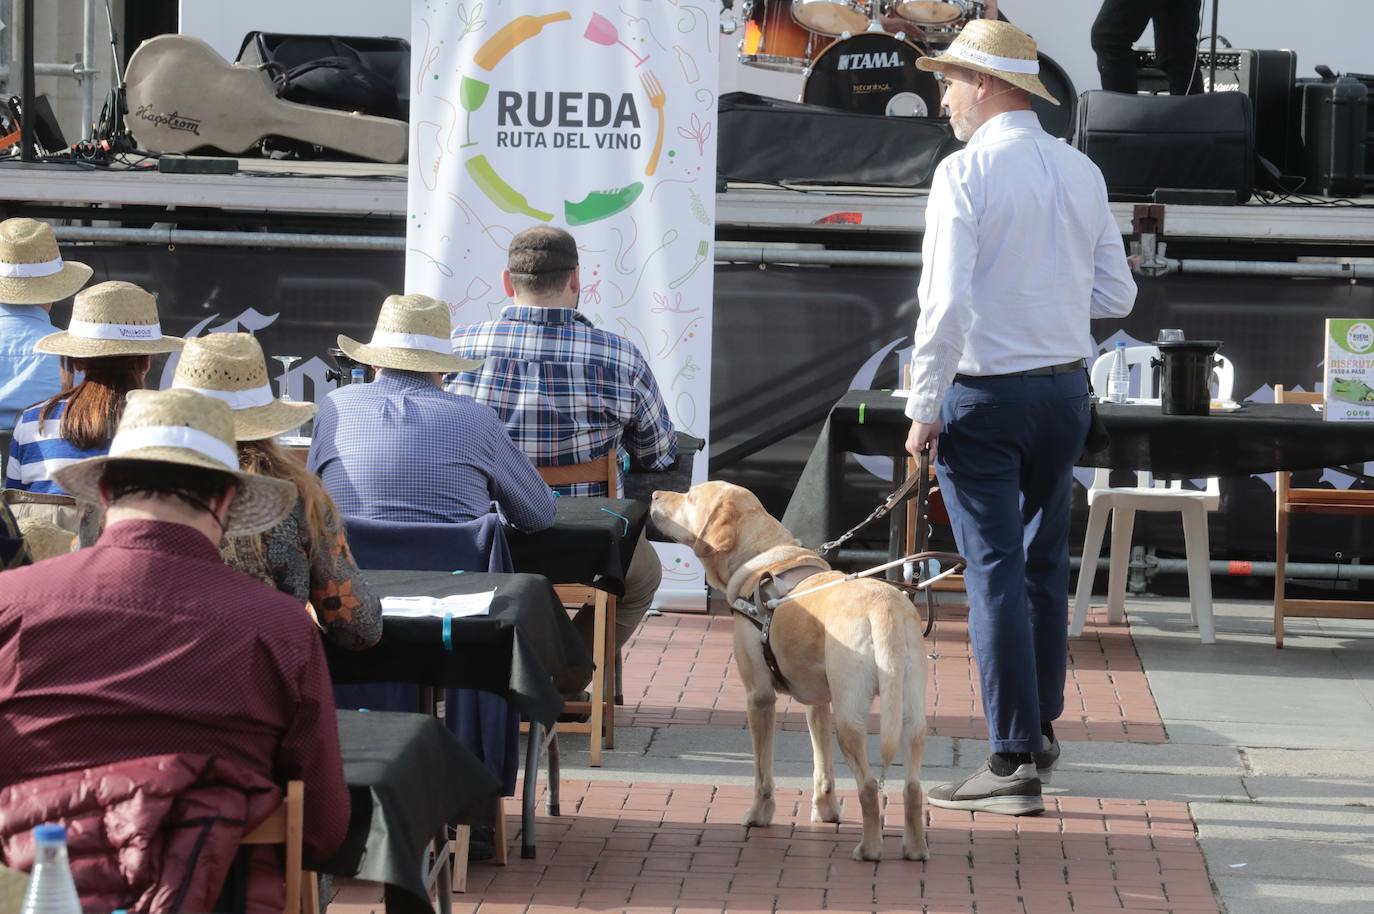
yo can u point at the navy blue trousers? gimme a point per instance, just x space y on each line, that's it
1005 464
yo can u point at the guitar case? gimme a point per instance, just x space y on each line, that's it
184 97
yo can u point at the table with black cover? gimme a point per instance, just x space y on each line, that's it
591 542
515 651
409 780
1257 438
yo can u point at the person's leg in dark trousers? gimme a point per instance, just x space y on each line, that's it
1176 41
979 462
1061 427
1118 26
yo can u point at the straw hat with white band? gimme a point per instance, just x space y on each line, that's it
32 271
997 48
412 335
231 367
189 429
111 318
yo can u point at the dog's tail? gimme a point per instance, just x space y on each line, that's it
889 651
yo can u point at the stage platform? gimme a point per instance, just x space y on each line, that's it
345 190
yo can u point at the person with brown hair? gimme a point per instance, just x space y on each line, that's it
306 555
113 334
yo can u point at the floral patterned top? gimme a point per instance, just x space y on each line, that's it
321 573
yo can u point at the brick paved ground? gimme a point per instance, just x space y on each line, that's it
679 671
679 848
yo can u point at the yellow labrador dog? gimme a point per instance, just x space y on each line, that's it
836 648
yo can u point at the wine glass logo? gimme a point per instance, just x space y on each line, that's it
471 94
603 31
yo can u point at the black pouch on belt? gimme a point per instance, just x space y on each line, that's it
1098 437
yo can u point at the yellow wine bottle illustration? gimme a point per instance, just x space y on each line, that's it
499 192
513 33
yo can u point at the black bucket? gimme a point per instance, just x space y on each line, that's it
1185 374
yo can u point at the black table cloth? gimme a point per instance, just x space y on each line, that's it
516 651
1257 438
591 542
408 779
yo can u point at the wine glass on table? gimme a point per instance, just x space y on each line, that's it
285 382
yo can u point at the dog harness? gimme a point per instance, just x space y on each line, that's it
769 590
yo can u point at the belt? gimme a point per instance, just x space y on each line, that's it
1050 370
1044 371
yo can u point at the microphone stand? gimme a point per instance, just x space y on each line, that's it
1212 76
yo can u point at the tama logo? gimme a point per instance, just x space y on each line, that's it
879 61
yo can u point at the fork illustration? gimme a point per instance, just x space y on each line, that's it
657 99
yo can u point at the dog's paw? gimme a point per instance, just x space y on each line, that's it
872 855
761 816
916 853
825 812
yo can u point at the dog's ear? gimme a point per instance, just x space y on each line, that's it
720 532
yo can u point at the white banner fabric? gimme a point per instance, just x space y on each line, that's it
593 117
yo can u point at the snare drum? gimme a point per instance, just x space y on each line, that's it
931 12
774 41
832 17
872 73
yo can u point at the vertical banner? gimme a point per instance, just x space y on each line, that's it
596 116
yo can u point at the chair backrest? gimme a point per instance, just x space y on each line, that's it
475 545
602 469
287 826
1283 481
1145 384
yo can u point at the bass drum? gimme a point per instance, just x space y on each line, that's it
872 73
1058 120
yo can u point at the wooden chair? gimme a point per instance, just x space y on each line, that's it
601 726
287 826
935 510
1289 501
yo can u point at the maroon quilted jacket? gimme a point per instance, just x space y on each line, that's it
152 835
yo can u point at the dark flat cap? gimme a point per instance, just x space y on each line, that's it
542 249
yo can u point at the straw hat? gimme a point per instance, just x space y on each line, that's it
232 368
412 335
997 48
32 271
190 429
111 318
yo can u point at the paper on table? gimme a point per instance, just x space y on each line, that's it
901 393
457 605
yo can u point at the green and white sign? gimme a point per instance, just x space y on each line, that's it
1349 374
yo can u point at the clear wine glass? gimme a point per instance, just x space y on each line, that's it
285 383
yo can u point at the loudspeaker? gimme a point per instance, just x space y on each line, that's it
1334 121
1266 77
1146 142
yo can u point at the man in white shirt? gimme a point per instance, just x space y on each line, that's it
1020 250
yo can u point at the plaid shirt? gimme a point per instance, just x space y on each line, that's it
12 551
567 391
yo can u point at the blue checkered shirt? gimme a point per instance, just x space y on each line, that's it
567 391
401 449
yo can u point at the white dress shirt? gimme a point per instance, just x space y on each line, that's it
1020 250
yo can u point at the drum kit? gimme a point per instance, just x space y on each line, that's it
860 55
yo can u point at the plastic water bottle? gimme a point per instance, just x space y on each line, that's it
51 888
358 375
1119 381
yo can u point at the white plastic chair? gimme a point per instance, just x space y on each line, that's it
1147 495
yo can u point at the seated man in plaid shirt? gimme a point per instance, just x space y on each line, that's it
567 391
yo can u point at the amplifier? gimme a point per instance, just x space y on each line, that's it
1267 77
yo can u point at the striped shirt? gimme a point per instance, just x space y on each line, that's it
567 391
36 453
401 449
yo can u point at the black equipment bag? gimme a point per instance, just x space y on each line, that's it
370 75
1146 142
1334 119
825 146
